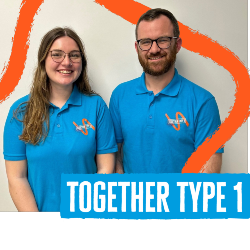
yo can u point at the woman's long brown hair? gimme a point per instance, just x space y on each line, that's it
36 109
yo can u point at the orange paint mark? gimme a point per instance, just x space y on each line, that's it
129 10
192 40
176 115
84 125
205 46
17 59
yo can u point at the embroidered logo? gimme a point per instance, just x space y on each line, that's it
177 121
84 127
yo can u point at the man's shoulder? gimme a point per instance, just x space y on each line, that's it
194 90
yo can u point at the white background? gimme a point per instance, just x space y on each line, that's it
109 43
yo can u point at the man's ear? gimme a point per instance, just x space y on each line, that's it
178 44
136 46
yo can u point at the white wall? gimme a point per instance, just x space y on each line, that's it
109 43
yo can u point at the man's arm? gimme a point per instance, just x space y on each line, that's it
213 165
118 163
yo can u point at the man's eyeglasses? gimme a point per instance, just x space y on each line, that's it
162 42
59 55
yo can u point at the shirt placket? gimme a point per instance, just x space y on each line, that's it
151 110
59 122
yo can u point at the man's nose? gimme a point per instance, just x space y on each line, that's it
154 48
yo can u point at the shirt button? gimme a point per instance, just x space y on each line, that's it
150 117
58 125
151 104
59 115
150 93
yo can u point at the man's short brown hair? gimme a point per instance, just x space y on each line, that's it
153 14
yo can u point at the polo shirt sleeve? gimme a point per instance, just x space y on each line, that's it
207 122
105 135
115 115
14 149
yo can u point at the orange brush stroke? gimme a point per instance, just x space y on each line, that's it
192 40
205 46
129 10
17 58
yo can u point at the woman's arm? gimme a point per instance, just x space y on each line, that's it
105 163
19 186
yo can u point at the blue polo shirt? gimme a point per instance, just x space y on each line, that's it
160 132
78 131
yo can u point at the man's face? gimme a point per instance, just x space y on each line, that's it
157 61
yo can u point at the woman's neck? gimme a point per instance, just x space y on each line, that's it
60 94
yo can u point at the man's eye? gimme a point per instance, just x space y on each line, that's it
164 40
145 42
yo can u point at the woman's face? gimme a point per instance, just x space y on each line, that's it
66 72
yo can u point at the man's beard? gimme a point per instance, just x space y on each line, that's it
158 68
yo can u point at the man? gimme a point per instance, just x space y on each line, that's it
161 118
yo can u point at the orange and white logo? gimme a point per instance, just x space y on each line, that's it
177 121
84 127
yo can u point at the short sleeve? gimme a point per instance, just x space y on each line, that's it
105 135
207 122
14 149
116 118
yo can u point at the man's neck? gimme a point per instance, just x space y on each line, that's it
158 83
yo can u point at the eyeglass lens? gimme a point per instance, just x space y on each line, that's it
58 56
163 43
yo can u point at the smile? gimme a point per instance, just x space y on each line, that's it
65 71
155 58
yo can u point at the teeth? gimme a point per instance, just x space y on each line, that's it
65 71
155 58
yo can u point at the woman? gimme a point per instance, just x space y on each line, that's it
61 127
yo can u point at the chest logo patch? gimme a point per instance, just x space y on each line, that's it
177 121
84 127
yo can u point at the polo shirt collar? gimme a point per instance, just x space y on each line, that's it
172 89
75 97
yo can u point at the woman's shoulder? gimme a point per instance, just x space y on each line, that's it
94 99
20 102
17 110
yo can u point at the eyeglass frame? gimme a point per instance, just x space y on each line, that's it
65 55
155 40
